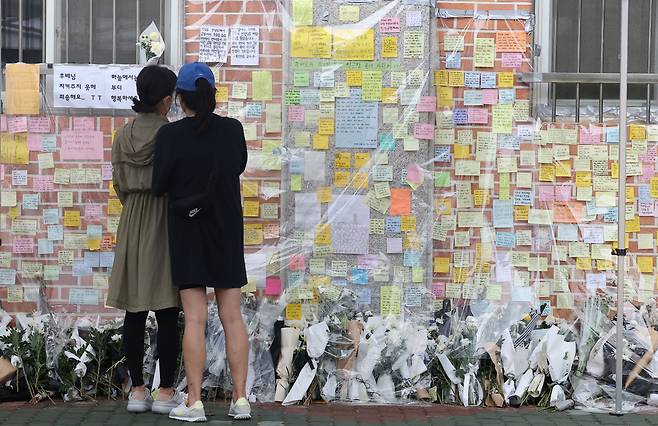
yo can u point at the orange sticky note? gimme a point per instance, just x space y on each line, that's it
400 202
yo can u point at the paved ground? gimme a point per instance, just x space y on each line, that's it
114 414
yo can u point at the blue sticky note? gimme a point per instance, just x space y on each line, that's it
106 259
612 134
610 216
80 269
505 239
459 116
295 278
453 60
341 282
359 276
55 232
510 142
386 142
363 296
253 110
296 166
644 195
488 80
393 224
411 258
472 80
503 214
442 153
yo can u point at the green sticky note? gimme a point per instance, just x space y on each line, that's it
442 180
301 79
292 97
296 183
302 12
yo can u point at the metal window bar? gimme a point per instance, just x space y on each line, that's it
602 78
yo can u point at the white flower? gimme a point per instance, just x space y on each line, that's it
16 361
156 48
80 369
116 337
154 36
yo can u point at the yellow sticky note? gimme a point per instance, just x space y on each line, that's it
563 168
251 208
114 207
324 194
22 96
441 78
645 264
361 159
343 160
456 78
320 142
221 95
250 188
637 132
372 86
583 179
408 224
505 79
72 218
389 95
294 311
261 85
547 173
444 95
13 148
584 263
354 78
310 42
389 47
354 44
326 126
462 152
323 234
521 213
341 179
253 233
441 265
349 13
485 52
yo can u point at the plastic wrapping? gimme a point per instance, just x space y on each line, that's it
415 229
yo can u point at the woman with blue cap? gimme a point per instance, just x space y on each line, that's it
198 163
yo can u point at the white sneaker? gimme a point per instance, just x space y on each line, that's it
240 410
195 413
140 405
165 406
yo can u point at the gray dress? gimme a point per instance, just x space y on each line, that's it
141 275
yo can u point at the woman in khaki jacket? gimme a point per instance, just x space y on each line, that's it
141 275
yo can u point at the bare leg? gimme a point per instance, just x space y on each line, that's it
195 307
237 342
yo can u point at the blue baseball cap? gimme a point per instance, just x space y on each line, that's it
190 73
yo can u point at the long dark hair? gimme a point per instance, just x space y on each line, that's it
201 101
154 83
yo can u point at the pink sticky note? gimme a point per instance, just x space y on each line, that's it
647 172
649 156
590 135
424 131
42 183
81 145
368 261
655 209
297 262
546 193
512 60
389 25
563 193
414 174
106 171
646 209
23 245
438 290
426 104
478 115
16 124
272 286
93 211
84 123
3 123
394 245
296 113
490 96
34 142
38 124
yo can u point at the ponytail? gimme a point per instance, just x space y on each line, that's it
201 101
